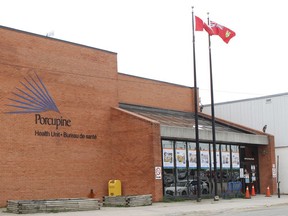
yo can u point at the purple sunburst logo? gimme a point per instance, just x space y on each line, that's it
32 97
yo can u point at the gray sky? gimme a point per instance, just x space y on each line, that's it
153 39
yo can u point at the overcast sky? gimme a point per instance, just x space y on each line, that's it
153 39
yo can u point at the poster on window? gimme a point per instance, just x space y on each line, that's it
204 156
192 159
168 161
235 160
226 160
180 158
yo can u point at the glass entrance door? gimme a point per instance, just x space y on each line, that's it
249 165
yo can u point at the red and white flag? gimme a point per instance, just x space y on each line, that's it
223 32
200 26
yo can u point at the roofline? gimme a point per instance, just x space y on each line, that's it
155 109
219 121
55 39
149 79
249 99
174 132
235 125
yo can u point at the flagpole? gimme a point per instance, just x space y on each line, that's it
216 197
196 115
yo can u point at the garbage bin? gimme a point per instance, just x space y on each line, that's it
114 188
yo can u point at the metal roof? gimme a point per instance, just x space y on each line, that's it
181 125
177 118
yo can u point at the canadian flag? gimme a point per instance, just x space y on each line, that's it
200 26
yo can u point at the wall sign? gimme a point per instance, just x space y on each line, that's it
33 97
158 173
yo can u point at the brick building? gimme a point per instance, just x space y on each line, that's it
70 123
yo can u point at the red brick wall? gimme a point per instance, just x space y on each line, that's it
136 147
145 92
83 84
266 161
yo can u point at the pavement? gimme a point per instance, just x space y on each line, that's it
180 208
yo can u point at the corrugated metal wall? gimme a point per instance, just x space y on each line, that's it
257 112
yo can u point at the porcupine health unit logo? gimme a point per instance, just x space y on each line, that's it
33 97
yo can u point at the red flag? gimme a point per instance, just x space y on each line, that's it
225 33
200 25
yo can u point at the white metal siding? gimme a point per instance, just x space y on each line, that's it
255 113
283 167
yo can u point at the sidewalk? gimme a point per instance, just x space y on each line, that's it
206 206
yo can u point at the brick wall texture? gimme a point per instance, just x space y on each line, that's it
136 150
145 92
83 83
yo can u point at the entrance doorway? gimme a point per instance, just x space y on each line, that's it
250 168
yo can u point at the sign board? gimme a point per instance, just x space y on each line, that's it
274 173
241 173
158 173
